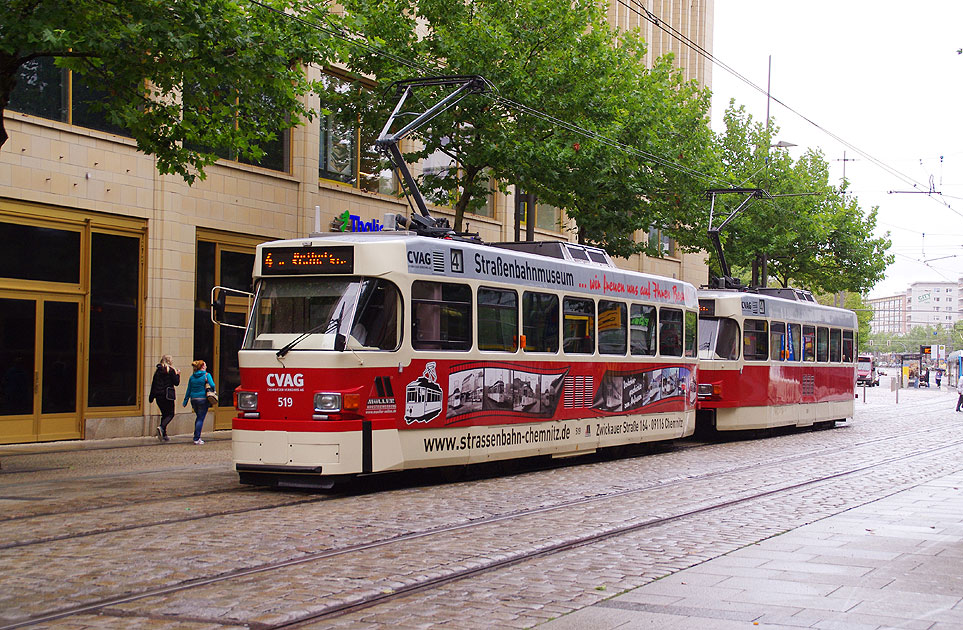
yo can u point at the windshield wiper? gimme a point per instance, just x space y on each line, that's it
328 326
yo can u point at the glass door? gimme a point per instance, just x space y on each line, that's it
40 357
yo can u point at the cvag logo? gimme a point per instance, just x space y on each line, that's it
285 380
419 258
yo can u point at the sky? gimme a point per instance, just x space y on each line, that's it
878 81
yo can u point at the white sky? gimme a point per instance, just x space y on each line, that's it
883 76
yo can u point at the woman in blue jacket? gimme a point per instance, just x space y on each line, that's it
197 394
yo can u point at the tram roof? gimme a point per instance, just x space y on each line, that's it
454 259
774 307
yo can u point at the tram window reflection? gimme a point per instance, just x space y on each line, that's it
579 326
755 344
848 346
822 344
834 344
670 332
642 323
441 316
793 342
497 320
691 333
612 327
809 343
777 342
719 338
540 321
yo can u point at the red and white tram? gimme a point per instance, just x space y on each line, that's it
498 353
774 358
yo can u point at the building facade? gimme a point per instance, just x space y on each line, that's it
934 304
889 314
106 265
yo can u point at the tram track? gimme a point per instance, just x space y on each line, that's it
346 604
103 530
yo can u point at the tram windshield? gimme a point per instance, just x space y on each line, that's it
309 314
718 338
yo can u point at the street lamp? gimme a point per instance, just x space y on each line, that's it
782 144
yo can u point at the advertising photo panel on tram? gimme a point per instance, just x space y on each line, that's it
465 391
526 392
498 389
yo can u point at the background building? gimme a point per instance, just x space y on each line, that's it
937 304
889 314
106 264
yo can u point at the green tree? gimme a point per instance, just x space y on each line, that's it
813 235
561 58
186 78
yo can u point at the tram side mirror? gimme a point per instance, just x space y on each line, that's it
218 302
340 342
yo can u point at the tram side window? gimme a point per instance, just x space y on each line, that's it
612 327
497 320
848 346
777 342
540 321
691 333
835 336
809 343
793 342
719 338
441 316
755 340
642 327
670 332
578 328
822 344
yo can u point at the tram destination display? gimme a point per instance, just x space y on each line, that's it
307 260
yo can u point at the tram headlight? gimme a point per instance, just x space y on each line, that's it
327 403
247 401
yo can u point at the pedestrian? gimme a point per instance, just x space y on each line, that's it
166 378
925 379
197 386
959 390
939 377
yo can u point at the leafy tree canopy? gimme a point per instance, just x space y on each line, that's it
813 235
562 59
188 79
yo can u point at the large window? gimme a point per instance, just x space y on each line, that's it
755 340
46 91
719 338
540 321
497 320
670 332
578 328
347 153
643 324
441 316
114 297
33 252
612 327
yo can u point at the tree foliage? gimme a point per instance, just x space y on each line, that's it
814 235
188 79
562 59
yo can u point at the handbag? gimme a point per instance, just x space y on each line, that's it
211 395
170 393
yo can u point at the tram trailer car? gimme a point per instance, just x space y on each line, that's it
774 359
359 349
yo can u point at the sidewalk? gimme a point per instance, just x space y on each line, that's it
894 563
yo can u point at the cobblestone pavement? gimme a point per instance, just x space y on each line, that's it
90 525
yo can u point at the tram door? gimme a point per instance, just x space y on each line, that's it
39 367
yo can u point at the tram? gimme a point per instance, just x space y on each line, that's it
774 358
498 352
